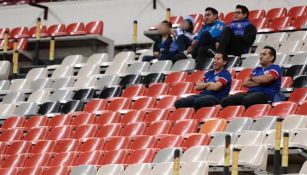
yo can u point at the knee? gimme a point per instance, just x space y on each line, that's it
147 58
180 103
248 101
226 102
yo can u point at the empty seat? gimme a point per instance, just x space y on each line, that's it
195 168
250 61
156 115
72 106
115 143
14 161
13 122
239 124
37 73
298 35
109 130
84 170
158 127
297 11
6 110
157 89
59 120
114 157
95 105
107 80
276 13
130 80
133 90
184 127
5 70
40 96
205 113
88 158
4 84
196 154
181 88
143 103
213 125
257 110
38 84
143 142
277 37
231 112
296 70
141 156
38 160
44 146
291 47
184 65
166 155
219 139
89 70
283 109
85 83
18 147
60 132
108 117
254 156
264 123
91 145
161 66
165 168
181 114
110 169
137 68
176 77
35 134
110 92
13 97
294 122
251 138
62 83
11 134
196 140
299 95
63 159
169 141
84 94
70 60
138 169
255 14
302 109
299 58
62 71
118 104
132 129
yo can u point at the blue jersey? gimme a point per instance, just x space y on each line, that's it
272 88
224 77
214 29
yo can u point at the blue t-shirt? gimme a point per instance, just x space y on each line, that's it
214 29
273 87
224 77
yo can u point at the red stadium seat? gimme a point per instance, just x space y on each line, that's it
19 147
278 24
3 148
197 17
13 122
231 112
197 27
95 105
63 159
73 28
109 130
44 146
132 129
158 128
114 157
32 31
181 114
196 140
22 44
36 134
257 110
213 125
94 27
176 20
118 104
283 109
298 95
261 23
206 113
157 115
85 131
142 142
54 30
286 82
88 158
236 85
60 132
36 121
60 120
245 73
302 110
92 145
143 103
176 77
19 32
229 17
134 90
38 160
221 16
184 127
67 145
2 32
157 89
14 161
276 13
32 171
195 77
108 117
133 116
10 171
83 119
169 141
60 170
256 14
297 23
166 102
141 156
11 134
297 11
181 88
115 143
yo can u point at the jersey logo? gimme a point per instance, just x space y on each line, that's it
216 78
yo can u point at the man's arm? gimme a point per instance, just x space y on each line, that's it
249 83
215 86
263 79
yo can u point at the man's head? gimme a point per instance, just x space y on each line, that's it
165 28
211 15
220 60
267 56
241 12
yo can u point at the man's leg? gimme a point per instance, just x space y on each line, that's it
254 98
183 42
232 100
147 58
206 101
187 102
229 43
205 42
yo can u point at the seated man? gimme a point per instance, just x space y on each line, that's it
206 37
216 85
240 35
264 82
162 46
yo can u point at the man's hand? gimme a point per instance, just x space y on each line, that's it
189 50
156 54
200 86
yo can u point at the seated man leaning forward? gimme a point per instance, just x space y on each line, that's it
263 83
215 87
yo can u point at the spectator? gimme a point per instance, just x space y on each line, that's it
240 35
206 37
264 82
216 86
162 46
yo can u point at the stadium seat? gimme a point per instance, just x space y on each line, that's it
63 159
254 156
62 95
67 145
108 117
38 160
4 84
176 77
6 110
297 11
62 84
166 155
85 131
143 142
157 89
110 169
107 80
219 139
137 68
95 105
143 103
72 106
133 116
238 125
196 140
132 129
286 82
115 143
249 138
43 146
294 122
166 102
278 24
290 47
94 27
32 31
152 78
14 161
182 127
11 134
92 144
165 168
158 128
205 113
257 111
69 61
169 141
229 17
26 109
110 92
213 125
181 114
133 91
296 70
130 80
231 112
256 14
195 77
141 156
57 170
161 66
13 122
278 37
109 130
39 96
181 88
83 119
299 95
54 30
302 110
114 157
216 157
13 97
184 65
88 158
276 13
195 154
244 73
118 104
297 140
138 169
35 134
264 123
60 132
49 108
18 147
84 169
283 109
157 115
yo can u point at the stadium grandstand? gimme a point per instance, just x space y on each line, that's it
153 87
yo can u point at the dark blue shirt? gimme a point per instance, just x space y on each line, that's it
273 87
224 77
163 46
214 29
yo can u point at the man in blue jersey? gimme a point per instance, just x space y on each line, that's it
264 82
215 86
206 37
239 35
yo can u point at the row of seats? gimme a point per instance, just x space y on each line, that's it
17 2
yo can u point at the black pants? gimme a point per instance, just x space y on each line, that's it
197 101
247 100
230 43
183 43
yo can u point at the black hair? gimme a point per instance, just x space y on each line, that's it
191 29
213 10
169 24
224 55
272 51
244 9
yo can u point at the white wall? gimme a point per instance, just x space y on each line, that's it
118 15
